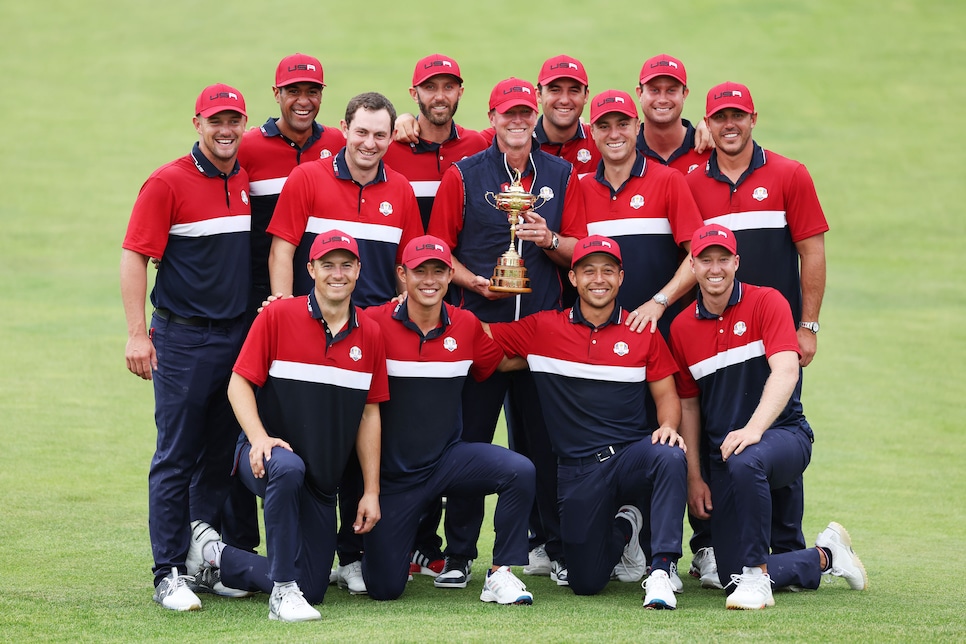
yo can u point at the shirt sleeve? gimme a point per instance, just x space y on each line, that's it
487 354
151 218
683 380
802 208
777 325
660 362
412 222
573 223
379 386
259 349
446 219
295 202
683 213
515 338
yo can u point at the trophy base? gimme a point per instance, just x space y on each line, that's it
509 274
510 289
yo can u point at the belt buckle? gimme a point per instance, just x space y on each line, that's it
605 454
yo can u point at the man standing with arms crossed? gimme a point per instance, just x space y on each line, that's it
192 214
478 233
740 389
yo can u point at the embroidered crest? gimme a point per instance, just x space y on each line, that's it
760 194
325 154
547 193
692 167
637 201
449 344
355 353
740 329
244 196
621 349
385 208
583 155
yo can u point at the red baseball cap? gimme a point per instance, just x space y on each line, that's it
664 65
332 240
595 244
512 92
298 68
434 65
613 100
562 67
218 98
426 248
713 235
727 95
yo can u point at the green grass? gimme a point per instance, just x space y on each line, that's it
868 94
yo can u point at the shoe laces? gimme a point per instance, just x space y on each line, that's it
754 582
455 563
176 581
503 577
657 578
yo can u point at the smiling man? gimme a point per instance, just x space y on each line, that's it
590 370
193 214
432 348
320 370
437 89
479 233
741 395
355 192
270 152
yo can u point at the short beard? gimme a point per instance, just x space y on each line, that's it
436 120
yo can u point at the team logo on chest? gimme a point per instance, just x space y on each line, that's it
583 155
637 201
355 353
449 344
740 329
760 194
325 154
385 208
244 196
621 349
547 193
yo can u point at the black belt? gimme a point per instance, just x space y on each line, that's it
197 320
598 457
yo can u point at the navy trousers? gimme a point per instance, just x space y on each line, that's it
190 473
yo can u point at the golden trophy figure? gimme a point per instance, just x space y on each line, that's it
509 274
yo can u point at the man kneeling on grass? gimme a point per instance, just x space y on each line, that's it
321 372
431 348
739 357
590 370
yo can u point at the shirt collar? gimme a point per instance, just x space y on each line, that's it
637 170
576 317
341 169
208 168
315 311
422 146
701 312
540 134
401 313
270 128
757 161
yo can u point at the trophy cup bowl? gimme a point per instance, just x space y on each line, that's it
509 274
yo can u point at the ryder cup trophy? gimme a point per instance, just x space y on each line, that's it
509 274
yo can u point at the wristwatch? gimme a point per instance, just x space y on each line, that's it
811 326
554 242
661 298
